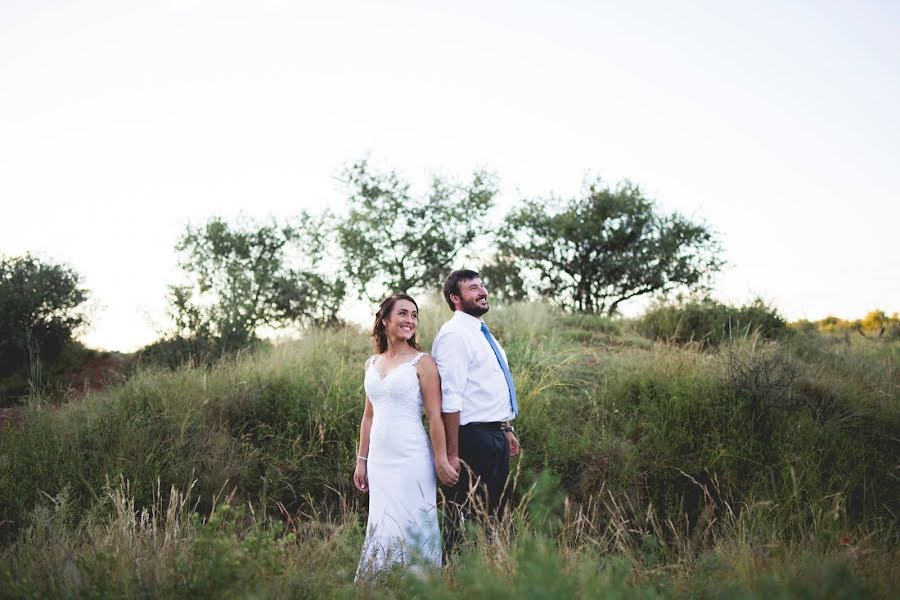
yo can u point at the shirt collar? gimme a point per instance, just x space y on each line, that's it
468 320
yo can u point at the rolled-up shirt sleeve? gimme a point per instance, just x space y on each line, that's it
451 355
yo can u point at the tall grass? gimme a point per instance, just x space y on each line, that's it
603 549
758 468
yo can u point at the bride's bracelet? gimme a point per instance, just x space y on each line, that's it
364 458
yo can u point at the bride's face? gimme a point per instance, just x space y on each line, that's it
403 322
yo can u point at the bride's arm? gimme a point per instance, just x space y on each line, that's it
430 383
361 473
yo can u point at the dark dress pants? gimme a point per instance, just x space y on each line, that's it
481 487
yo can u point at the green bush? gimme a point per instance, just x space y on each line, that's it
178 351
58 378
710 322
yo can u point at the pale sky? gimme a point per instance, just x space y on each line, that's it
775 122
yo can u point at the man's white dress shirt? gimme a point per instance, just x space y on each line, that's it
472 382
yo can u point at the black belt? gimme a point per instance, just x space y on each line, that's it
493 426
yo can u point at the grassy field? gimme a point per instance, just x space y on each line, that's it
754 469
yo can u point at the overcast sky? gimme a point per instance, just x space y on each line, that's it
775 122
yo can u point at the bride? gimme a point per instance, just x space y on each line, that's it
395 464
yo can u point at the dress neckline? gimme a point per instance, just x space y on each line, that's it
384 376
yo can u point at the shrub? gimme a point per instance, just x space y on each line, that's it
176 351
710 322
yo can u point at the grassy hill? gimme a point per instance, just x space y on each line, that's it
753 469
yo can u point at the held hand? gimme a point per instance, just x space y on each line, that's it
513 443
446 473
361 477
454 462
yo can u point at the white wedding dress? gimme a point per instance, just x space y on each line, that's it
403 524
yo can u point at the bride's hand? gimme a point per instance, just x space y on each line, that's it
361 476
446 473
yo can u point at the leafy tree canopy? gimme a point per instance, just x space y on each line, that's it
41 305
592 253
394 241
247 275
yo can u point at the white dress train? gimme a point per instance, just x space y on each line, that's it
403 523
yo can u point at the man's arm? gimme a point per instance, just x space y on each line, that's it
451 433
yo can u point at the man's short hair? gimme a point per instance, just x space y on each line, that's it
451 284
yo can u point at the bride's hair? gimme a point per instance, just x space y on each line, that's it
379 333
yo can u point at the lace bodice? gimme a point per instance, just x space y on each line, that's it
397 394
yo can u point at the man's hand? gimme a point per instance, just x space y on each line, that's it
454 463
513 442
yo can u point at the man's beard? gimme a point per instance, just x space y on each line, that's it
471 308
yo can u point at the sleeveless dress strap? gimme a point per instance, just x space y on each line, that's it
417 357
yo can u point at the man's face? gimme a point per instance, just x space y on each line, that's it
472 297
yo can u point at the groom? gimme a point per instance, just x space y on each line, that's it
478 404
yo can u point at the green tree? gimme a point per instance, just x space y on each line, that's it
394 241
504 279
592 253
41 305
242 279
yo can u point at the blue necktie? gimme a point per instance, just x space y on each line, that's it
504 367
